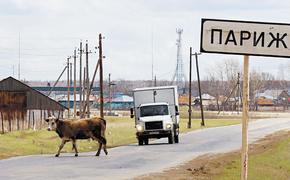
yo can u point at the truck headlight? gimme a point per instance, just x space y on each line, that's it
139 128
168 126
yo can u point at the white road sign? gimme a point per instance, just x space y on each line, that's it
245 38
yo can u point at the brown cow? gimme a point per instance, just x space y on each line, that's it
71 130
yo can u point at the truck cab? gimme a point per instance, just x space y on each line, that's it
157 117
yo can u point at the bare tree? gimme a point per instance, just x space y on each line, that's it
222 79
214 88
256 84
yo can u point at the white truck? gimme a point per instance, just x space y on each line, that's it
156 113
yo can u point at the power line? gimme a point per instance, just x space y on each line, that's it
28 54
47 38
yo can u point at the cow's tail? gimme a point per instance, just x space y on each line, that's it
104 121
103 130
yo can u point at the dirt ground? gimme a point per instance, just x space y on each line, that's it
207 166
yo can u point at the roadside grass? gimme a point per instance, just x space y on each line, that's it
224 115
274 163
120 131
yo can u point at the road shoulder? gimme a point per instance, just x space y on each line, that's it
208 166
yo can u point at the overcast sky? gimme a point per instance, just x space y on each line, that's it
134 30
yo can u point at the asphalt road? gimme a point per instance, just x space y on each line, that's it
129 161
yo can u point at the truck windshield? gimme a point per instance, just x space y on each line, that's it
155 110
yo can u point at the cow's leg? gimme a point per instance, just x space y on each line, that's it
96 139
75 147
100 143
105 149
105 146
104 140
100 147
60 147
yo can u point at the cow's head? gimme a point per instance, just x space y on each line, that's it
52 121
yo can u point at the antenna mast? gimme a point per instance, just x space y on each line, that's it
179 77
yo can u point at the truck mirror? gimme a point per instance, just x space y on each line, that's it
131 112
176 111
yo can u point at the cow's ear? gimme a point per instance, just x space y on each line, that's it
57 120
46 120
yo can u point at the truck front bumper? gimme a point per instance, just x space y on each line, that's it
154 134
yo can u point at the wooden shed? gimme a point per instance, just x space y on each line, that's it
22 107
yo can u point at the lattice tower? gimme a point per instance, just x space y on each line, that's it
179 77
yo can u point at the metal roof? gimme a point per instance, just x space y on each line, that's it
35 99
47 88
123 98
155 88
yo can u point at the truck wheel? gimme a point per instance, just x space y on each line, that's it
140 141
146 141
176 139
170 139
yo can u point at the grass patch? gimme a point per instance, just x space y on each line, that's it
120 131
272 163
269 159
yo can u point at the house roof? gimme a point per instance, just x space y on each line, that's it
35 99
71 97
207 96
270 93
123 98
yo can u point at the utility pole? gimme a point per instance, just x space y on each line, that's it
238 83
110 94
75 82
68 88
189 93
80 81
2 123
87 80
155 81
57 80
92 82
199 89
101 77
84 92
152 56
233 91
19 57
13 70
70 76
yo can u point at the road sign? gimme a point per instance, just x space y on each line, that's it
245 38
